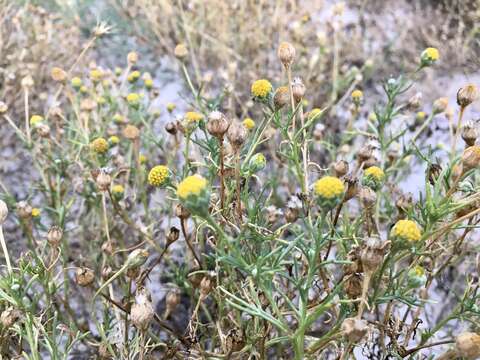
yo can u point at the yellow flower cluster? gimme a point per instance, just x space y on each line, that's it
133 99
133 76
96 75
407 230
76 82
249 123
118 189
114 139
193 117
357 94
99 145
35 120
191 185
375 172
36 212
329 187
171 107
158 175
431 54
314 113
261 88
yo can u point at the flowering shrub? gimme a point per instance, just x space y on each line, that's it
275 237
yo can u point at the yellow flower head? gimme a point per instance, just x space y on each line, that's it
314 113
429 56
148 83
420 116
36 212
133 76
158 175
357 94
249 123
406 230
261 88
171 107
101 100
118 118
118 189
329 187
83 89
375 172
193 117
142 158
191 185
76 82
419 271
114 139
99 145
96 75
133 99
35 120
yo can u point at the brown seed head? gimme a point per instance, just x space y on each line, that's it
181 51
440 105
142 312
206 285
468 345
132 58
182 212
218 124
103 181
354 329
58 74
298 89
469 134
24 210
237 134
373 253
173 235
54 235
9 317
367 197
84 276
131 132
340 168
471 158
171 128
286 54
281 97
467 95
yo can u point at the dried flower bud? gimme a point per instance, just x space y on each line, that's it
469 134
367 197
217 124
106 272
414 101
373 253
318 132
286 54
27 82
206 286
467 95
234 341
471 158
54 236
173 235
404 202
468 345
3 212
58 74
281 97
43 130
440 105
181 51
298 89
352 187
142 312
182 212
84 276
107 247
24 210
354 329
131 132
132 58
365 153
171 128
237 134
340 168
103 181
172 299
353 285
9 317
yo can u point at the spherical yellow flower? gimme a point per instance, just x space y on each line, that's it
429 56
35 120
96 75
193 117
357 94
171 107
420 116
142 158
406 230
314 113
148 83
76 82
249 123
101 100
133 76
83 89
329 187
99 145
118 189
191 185
261 88
36 212
158 175
118 118
133 99
114 139
375 172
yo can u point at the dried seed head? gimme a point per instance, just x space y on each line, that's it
43 130
181 51
318 132
340 168
24 210
182 212
103 181
440 105
9 317
467 95
373 253
84 276
106 272
414 101
173 235
132 58
27 82
237 134
107 247
217 124
171 128
142 311
468 345
172 299
471 158
365 152
404 202
298 89
353 285
354 329
234 341
131 132
103 352
469 133
54 236
286 54
352 187
206 285
367 197
58 74
3 212
281 97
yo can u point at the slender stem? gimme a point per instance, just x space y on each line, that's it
5 250
290 87
222 170
237 180
457 130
